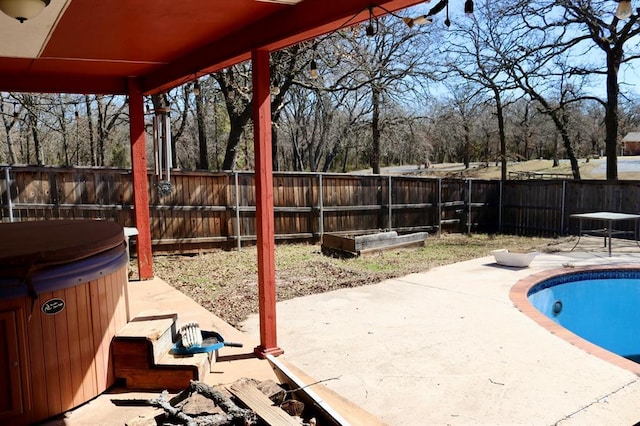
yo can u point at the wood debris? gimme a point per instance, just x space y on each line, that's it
245 402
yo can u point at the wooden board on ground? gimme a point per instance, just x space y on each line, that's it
333 408
401 241
251 396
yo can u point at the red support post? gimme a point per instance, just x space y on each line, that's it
264 204
140 183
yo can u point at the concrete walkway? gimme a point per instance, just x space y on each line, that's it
448 347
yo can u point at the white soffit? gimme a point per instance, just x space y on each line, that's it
28 39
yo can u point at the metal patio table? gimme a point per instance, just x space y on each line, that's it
608 218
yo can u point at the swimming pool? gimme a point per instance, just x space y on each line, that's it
600 306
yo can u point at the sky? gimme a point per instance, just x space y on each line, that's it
629 76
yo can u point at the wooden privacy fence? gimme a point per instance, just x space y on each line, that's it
544 207
218 209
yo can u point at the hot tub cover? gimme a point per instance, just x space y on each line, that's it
56 241
47 255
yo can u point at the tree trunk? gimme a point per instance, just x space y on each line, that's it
501 131
375 131
274 148
575 168
313 164
275 119
556 162
345 160
525 127
487 148
203 163
467 146
63 131
10 151
235 133
561 125
297 156
328 160
100 131
611 114
36 141
25 141
8 125
92 147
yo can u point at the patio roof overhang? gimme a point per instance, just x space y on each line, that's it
95 46
143 47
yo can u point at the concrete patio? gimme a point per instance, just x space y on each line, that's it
442 347
448 347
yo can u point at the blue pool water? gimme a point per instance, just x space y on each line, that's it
602 307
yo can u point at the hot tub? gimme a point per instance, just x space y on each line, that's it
62 299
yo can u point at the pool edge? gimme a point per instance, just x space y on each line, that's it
519 296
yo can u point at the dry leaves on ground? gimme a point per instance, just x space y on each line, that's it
225 282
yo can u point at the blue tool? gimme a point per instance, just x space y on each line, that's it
211 341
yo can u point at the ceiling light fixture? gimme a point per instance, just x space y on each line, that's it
624 9
313 70
370 30
23 9
468 7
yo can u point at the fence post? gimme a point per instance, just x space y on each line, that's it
237 205
564 194
7 181
390 206
469 198
439 207
320 207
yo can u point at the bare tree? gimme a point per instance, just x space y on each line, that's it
10 112
30 103
588 27
387 60
203 162
61 118
322 126
538 85
629 115
235 84
109 112
465 102
287 65
470 55
523 115
309 117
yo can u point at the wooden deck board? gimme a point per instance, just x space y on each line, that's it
262 405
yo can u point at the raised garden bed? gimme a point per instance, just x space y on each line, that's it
360 245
